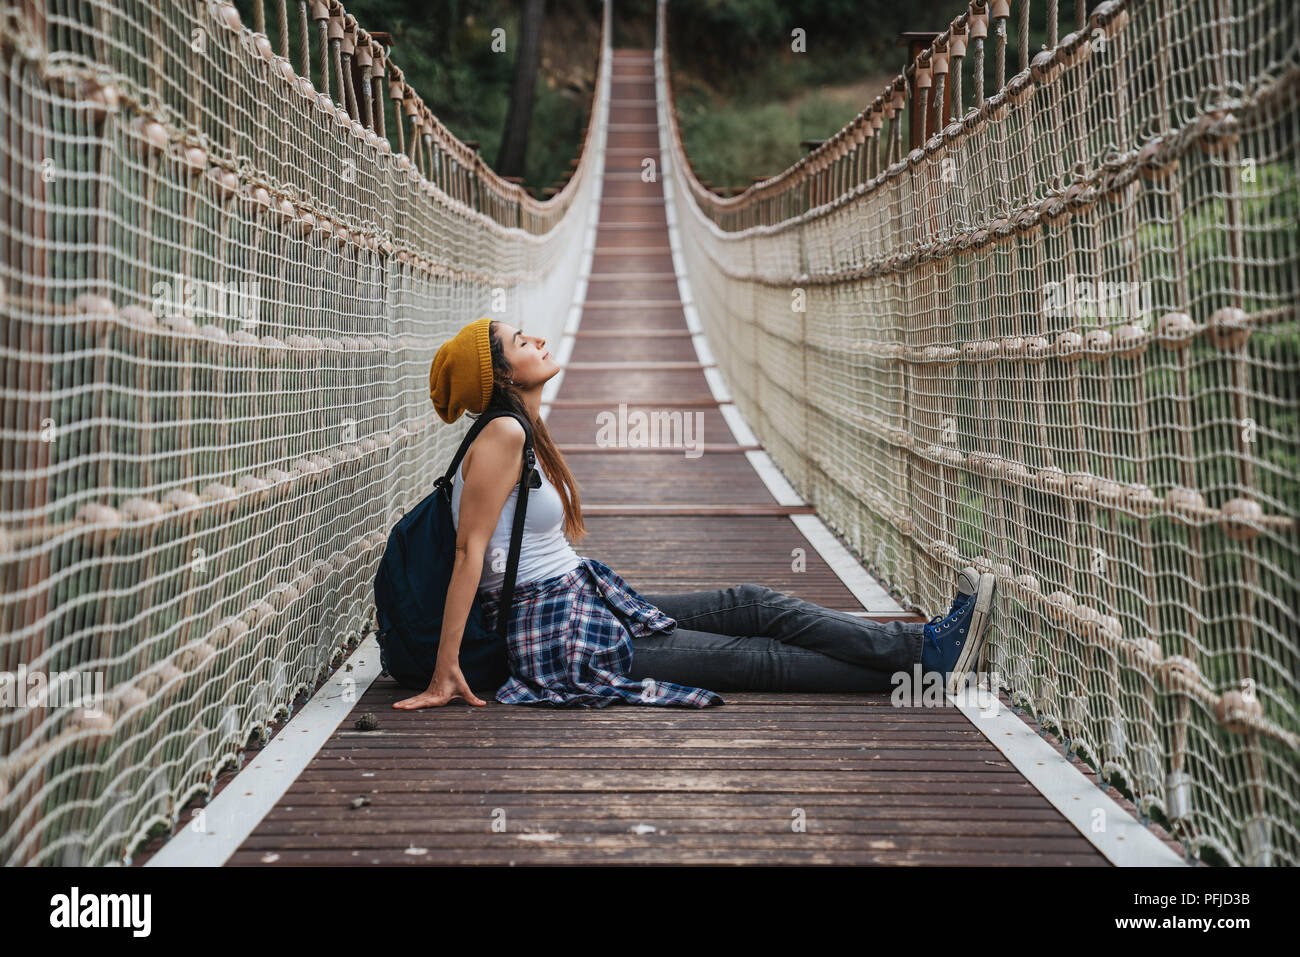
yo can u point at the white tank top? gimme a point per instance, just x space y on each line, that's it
544 552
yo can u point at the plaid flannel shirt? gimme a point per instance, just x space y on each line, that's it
568 648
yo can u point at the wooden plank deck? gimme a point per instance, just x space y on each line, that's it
766 778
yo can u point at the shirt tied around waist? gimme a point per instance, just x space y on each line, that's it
569 642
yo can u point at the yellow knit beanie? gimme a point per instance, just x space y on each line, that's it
460 379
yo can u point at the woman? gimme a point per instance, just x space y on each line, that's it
581 636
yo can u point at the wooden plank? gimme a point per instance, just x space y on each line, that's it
605 403
670 554
531 759
1053 834
643 211
612 318
935 819
638 139
651 289
628 334
629 160
910 745
625 305
670 477
718 784
622 854
714 448
650 348
617 187
711 510
1003 806
616 365
634 385
634 112
631 257
574 425
485 839
642 230
621 254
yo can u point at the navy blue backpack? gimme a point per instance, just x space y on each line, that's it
413 576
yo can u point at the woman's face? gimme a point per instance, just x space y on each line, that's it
529 356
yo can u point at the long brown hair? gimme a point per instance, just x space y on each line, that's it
506 396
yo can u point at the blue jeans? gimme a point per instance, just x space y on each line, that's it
751 638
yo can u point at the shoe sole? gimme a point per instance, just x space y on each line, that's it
968 574
981 617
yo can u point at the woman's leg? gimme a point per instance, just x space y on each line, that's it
729 663
752 611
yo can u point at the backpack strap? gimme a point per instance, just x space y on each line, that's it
444 480
521 504
516 539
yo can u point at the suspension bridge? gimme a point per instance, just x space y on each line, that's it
1041 323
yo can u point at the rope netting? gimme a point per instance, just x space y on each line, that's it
1057 340
229 255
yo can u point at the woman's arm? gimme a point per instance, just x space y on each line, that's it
491 474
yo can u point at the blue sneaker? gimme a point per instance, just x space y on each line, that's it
953 642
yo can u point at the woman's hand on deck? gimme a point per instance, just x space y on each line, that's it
447 684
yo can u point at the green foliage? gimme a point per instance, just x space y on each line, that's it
447 57
733 61
445 53
844 40
732 144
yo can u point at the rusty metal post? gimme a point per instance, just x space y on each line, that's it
918 107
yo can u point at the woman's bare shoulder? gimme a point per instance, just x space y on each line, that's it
504 434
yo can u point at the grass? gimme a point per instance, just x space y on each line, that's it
730 143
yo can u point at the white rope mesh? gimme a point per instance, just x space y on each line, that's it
222 290
921 345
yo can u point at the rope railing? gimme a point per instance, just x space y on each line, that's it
1051 331
228 257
